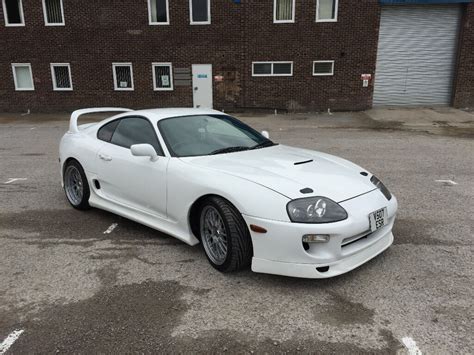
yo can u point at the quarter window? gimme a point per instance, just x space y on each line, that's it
106 131
162 77
323 67
123 76
283 11
135 130
53 12
158 12
326 10
61 76
272 69
13 12
23 77
200 12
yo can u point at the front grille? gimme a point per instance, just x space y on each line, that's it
349 240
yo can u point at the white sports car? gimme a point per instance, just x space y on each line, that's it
203 176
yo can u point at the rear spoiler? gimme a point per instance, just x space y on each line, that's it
76 114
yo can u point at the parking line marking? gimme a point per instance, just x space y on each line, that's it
410 344
447 182
9 340
111 228
10 180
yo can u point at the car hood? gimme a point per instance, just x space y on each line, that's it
288 170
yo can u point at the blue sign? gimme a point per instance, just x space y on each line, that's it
202 76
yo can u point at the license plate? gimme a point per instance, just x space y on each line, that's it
378 219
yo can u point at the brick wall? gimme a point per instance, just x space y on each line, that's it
464 83
107 31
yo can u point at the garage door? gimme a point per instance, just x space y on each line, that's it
416 55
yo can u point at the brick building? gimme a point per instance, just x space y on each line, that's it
236 54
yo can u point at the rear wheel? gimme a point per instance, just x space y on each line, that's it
224 235
76 186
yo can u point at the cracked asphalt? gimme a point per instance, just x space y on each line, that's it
74 289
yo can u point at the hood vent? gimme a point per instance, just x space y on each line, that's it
304 162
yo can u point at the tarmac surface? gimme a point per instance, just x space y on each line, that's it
74 289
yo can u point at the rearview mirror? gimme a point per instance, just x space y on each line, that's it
144 150
266 134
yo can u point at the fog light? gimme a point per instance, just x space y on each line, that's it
315 238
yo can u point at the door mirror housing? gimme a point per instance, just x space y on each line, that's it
144 150
266 134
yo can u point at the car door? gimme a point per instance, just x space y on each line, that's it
136 182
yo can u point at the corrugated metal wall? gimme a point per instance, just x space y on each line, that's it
416 55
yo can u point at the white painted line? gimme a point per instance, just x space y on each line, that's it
447 182
410 344
10 180
111 228
9 340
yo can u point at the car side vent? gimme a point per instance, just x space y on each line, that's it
304 162
97 184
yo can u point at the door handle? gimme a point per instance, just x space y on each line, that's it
105 157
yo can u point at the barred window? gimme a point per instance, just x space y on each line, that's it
123 76
61 76
13 12
158 12
323 67
162 76
284 11
53 12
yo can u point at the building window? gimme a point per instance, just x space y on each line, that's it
272 69
162 76
323 67
61 76
326 10
123 76
158 12
13 12
53 12
200 12
23 77
283 11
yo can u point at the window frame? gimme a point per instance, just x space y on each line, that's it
5 15
150 21
45 15
160 145
324 74
336 10
14 65
208 22
155 87
53 76
292 13
272 63
122 64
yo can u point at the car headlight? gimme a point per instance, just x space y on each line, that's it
383 189
315 210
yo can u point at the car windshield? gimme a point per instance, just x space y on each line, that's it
198 135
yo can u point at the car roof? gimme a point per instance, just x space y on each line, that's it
162 113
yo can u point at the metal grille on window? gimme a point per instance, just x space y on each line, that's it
124 77
323 68
163 77
61 75
158 11
284 10
53 11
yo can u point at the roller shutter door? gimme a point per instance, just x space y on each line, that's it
416 55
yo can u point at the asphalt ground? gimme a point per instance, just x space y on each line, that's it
73 289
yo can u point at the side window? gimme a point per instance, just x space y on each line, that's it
105 132
135 130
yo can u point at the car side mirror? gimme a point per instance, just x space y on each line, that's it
144 150
266 134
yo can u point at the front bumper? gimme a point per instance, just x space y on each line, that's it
280 251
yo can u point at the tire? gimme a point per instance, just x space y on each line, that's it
76 186
238 252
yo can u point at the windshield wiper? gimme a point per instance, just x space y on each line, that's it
264 145
229 150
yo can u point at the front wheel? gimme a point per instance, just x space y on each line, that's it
224 235
76 186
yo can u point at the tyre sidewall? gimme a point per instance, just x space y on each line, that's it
84 205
